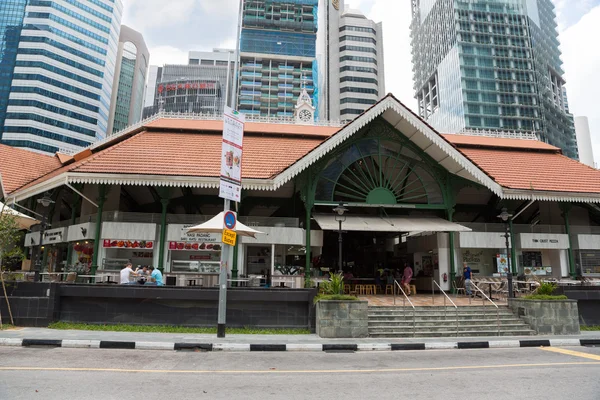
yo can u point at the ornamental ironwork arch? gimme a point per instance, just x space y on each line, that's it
379 171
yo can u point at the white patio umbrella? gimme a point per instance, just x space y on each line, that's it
216 225
23 221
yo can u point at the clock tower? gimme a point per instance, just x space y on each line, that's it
305 111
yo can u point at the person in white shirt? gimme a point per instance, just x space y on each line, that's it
127 275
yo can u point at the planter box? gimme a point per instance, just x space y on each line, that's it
548 317
342 319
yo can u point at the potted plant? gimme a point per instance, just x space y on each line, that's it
340 315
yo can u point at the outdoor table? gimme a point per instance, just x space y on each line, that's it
87 277
241 281
49 274
528 283
194 281
489 283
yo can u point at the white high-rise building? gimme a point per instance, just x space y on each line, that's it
57 91
129 85
350 60
584 141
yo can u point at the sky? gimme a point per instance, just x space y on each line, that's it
172 28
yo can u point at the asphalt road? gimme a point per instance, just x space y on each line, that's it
530 373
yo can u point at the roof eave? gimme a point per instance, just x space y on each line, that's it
568 197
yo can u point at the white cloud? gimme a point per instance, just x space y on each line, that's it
162 55
581 67
145 15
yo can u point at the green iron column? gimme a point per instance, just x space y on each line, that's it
452 252
101 200
566 208
163 233
308 205
234 267
75 206
513 250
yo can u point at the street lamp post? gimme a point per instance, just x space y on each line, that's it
339 211
504 215
37 265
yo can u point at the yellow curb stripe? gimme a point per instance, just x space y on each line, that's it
344 371
571 353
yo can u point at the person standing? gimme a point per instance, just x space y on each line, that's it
467 275
155 277
127 275
406 278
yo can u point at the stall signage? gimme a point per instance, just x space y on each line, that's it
231 155
127 244
198 237
194 246
229 237
54 236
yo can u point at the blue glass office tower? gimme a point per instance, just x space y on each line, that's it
12 13
277 56
57 65
491 65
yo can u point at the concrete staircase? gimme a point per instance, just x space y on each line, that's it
397 322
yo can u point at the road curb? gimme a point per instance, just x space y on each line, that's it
304 347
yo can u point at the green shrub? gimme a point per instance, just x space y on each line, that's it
344 297
590 327
335 284
546 289
544 297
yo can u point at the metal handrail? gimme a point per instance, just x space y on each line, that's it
485 297
404 305
433 282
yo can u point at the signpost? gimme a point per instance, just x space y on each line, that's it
230 189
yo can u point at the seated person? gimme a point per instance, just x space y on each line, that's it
156 278
127 276
142 274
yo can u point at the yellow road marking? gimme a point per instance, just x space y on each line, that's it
342 371
572 353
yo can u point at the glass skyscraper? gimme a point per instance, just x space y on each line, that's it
57 63
491 65
277 56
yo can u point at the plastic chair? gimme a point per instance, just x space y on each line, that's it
457 289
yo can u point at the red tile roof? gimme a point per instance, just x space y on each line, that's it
192 155
506 143
19 167
534 170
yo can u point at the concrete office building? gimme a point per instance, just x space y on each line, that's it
57 72
127 100
491 65
351 63
203 86
277 56
584 141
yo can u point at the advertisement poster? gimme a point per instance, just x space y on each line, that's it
502 262
231 155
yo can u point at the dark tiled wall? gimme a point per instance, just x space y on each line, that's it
39 304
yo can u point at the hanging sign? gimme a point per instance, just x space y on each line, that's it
229 237
231 155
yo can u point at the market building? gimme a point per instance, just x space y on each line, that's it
413 195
